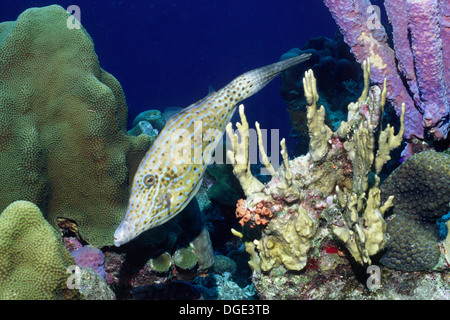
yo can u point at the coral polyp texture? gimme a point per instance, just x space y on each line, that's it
417 72
260 215
33 259
421 185
412 245
421 192
63 139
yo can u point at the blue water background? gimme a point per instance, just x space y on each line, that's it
167 53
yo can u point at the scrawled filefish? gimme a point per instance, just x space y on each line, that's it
171 171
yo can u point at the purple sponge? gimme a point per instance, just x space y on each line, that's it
90 257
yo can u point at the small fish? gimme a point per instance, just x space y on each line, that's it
171 171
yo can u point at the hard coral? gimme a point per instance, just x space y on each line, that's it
421 196
421 185
33 260
413 245
63 139
260 215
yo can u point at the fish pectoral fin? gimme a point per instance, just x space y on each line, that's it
165 199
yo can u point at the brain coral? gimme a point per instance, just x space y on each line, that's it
413 245
63 141
422 193
421 185
33 260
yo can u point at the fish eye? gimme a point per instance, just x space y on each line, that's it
149 180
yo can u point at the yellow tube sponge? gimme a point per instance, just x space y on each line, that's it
239 156
388 141
331 182
286 241
319 132
364 228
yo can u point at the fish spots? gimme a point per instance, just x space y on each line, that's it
179 180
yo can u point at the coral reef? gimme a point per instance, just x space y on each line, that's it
323 218
328 211
162 263
93 286
420 185
154 117
224 264
421 196
412 245
341 284
330 60
331 182
33 260
184 259
288 234
222 287
63 126
180 249
149 122
422 47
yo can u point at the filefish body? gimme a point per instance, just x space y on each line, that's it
171 171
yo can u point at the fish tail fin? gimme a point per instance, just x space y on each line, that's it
252 81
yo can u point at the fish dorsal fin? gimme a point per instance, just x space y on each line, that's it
195 104
211 90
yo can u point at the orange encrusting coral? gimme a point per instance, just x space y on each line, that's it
260 215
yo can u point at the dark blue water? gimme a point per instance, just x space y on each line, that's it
166 53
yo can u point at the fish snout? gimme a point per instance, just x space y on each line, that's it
121 235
